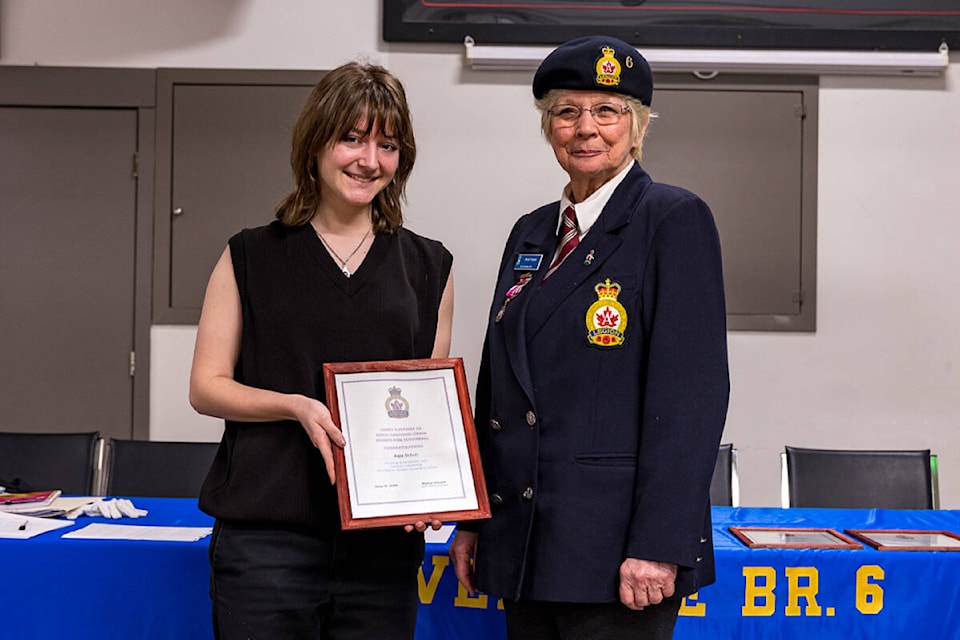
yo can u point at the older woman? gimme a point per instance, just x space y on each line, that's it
603 386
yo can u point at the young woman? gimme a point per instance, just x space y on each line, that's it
335 278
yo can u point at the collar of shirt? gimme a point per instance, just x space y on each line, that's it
589 210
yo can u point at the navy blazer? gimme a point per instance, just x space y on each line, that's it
598 451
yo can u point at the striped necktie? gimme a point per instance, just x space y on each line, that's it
569 239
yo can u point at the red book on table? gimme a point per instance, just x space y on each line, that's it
30 499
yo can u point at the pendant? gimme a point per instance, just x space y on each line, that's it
346 271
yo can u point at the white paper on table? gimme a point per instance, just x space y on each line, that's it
440 536
11 523
71 503
100 531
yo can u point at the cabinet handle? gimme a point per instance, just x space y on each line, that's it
178 211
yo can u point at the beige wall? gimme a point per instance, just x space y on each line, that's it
883 368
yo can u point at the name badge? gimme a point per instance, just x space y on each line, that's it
528 262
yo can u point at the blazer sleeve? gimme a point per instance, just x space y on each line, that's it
686 386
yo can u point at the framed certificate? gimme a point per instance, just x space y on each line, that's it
907 539
411 449
793 538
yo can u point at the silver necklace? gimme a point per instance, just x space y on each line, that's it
343 262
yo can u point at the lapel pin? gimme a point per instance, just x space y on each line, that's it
512 293
589 259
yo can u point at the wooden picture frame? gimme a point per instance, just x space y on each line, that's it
411 452
793 538
907 539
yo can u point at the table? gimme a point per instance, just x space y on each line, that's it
788 594
811 594
109 589
78 589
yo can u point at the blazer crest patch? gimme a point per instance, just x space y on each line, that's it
606 318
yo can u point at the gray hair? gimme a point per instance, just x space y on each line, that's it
640 116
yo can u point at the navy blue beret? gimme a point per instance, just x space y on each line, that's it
595 63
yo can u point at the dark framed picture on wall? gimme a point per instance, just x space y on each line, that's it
921 25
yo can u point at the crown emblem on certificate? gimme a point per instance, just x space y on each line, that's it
396 405
606 318
608 68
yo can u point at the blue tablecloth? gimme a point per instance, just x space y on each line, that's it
78 589
764 594
807 594
109 589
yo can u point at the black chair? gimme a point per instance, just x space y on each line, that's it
40 461
844 478
725 486
157 469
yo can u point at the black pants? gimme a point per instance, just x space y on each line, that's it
534 620
276 584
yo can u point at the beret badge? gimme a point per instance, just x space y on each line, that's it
608 68
595 63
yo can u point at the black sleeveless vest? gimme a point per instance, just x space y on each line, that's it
300 311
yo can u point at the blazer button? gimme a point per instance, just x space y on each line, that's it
528 493
531 418
495 425
496 498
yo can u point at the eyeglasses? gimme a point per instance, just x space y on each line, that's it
605 113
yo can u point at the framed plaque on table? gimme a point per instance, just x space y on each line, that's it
793 538
411 449
907 539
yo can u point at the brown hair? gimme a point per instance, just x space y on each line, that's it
344 97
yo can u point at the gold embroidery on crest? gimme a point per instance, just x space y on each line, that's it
606 318
608 68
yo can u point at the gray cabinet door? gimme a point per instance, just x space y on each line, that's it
749 151
223 164
68 207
